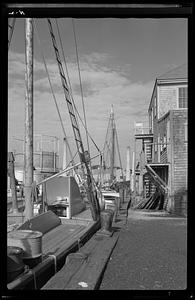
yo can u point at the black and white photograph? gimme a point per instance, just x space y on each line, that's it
97 147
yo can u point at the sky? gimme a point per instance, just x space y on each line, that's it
119 61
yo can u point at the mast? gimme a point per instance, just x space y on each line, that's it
128 164
64 162
133 173
94 204
28 119
112 156
11 174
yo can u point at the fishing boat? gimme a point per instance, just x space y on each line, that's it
42 235
111 177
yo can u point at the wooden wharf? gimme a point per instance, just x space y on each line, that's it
60 237
84 269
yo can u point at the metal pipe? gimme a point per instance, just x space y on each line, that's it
63 171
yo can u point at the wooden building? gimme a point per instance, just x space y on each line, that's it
166 142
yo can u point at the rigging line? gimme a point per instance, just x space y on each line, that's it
72 116
108 153
71 161
118 150
62 49
11 25
107 134
79 71
71 93
46 69
108 145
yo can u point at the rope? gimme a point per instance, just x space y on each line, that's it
46 69
71 93
74 123
79 71
11 30
69 103
70 87
107 134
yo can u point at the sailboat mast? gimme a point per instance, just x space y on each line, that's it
112 156
128 165
28 119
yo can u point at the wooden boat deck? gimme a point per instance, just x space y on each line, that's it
57 243
61 236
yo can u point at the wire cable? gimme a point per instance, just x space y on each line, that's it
81 88
71 93
118 151
46 69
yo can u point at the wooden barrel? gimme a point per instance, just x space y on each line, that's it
30 241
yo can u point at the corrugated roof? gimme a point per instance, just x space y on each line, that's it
176 73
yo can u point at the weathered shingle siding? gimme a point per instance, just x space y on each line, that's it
155 123
163 132
168 97
180 161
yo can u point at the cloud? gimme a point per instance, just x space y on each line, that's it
103 85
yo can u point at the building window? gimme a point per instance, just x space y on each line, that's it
164 142
183 97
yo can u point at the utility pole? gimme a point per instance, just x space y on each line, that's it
29 119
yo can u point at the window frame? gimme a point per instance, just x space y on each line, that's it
183 99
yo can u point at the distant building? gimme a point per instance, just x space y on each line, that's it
166 141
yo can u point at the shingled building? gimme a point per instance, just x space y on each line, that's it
166 142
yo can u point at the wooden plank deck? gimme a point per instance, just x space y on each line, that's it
54 239
56 245
85 266
88 276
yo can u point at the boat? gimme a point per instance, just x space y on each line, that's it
111 178
41 236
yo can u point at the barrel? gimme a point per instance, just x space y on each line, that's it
15 264
30 241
